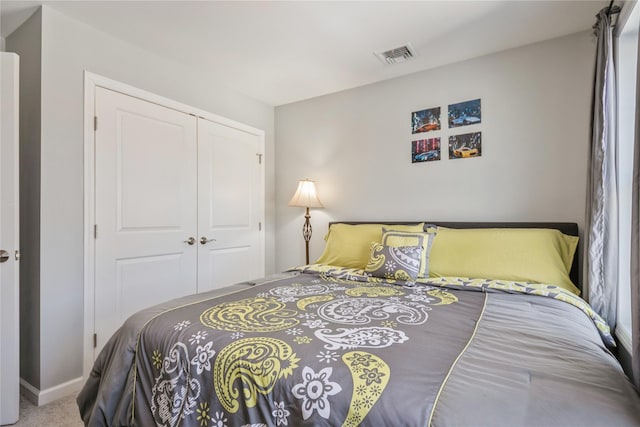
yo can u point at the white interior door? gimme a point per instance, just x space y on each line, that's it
230 205
9 241
145 207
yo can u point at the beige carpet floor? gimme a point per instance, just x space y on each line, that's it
61 413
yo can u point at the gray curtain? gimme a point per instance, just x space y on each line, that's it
635 241
602 201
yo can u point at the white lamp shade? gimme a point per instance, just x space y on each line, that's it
306 196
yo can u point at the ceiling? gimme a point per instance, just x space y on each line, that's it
284 51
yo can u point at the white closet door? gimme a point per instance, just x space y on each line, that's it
230 207
146 198
9 241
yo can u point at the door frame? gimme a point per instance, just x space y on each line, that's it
91 81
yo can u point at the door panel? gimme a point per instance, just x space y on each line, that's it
230 182
9 240
230 206
148 179
145 207
228 265
134 282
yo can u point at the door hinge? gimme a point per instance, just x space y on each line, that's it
95 231
95 123
259 158
95 340
259 226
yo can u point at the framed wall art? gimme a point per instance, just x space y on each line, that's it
465 113
465 145
425 150
425 120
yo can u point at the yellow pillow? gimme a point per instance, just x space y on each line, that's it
519 254
397 238
349 245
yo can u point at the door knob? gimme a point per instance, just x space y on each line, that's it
4 256
204 240
190 241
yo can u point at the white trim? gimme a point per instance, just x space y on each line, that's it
623 17
42 397
91 81
624 337
29 391
89 216
97 80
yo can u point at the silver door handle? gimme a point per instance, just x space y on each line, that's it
4 256
190 241
204 240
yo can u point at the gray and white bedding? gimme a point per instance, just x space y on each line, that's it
333 347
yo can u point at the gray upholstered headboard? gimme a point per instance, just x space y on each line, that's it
569 228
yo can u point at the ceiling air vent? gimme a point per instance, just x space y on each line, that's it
399 54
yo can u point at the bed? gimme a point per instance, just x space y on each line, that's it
412 324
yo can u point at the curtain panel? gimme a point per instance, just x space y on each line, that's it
602 201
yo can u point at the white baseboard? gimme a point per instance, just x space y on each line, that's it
42 397
624 337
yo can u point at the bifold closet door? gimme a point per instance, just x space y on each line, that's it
230 206
145 207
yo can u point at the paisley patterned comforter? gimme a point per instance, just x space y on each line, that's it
328 347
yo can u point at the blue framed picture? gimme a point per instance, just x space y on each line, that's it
425 150
465 113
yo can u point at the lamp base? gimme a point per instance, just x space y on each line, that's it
306 233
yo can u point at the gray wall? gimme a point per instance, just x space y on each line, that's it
68 48
26 41
356 144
